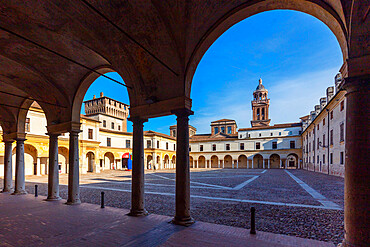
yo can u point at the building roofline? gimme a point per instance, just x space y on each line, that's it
276 126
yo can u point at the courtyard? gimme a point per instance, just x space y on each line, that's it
291 202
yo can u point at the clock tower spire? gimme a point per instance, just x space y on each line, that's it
260 106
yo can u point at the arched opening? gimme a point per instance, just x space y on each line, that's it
242 161
214 161
166 161
228 161
173 161
191 162
292 161
157 165
90 156
63 158
31 163
201 162
274 161
258 161
109 161
149 162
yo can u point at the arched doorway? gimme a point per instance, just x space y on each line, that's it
149 162
292 161
63 159
201 162
258 161
109 161
191 162
173 161
214 161
90 156
157 165
166 161
228 161
242 161
30 160
274 161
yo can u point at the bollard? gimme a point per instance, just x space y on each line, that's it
36 194
102 200
253 220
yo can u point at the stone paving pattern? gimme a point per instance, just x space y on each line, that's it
272 186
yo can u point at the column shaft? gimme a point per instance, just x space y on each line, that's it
73 170
137 191
357 172
20 187
8 176
53 175
182 216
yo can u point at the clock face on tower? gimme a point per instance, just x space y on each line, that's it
260 106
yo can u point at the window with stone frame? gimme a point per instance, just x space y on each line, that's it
318 142
341 158
274 145
174 147
104 123
167 145
157 144
108 142
214 147
241 146
229 129
222 129
227 147
323 140
258 145
112 126
128 143
323 158
323 122
27 126
342 105
216 130
201 148
341 128
292 144
331 137
119 127
331 158
148 144
90 134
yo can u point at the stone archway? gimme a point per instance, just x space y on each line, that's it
63 157
191 162
292 161
258 161
90 156
173 161
149 162
214 161
274 161
166 161
228 161
242 161
201 162
109 161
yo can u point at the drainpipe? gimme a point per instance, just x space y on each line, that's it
328 140
314 148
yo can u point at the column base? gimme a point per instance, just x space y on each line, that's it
75 202
22 192
55 198
7 191
188 221
137 213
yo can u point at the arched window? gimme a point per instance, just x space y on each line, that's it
258 113
263 113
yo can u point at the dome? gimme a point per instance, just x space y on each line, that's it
260 87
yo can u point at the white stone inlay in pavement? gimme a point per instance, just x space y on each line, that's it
316 195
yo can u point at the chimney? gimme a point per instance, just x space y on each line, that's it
338 81
317 110
329 93
94 97
313 115
101 95
322 103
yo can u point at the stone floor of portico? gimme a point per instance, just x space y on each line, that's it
30 221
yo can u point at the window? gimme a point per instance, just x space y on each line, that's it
309 147
274 145
323 122
112 126
318 142
128 143
299 132
341 132
148 144
90 135
119 127
341 158
227 146
313 159
214 147
331 115
342 105
229 129
318 159
260 134
331 137
27 125
157 144
241 146
279 133
167 145
174 147
216 130
174 133
292 144
331 158
189 148
222 129
249 135
318 126
313 145
323 140
258 145
323 158
201 148
240 136
104 123
108 142
271 134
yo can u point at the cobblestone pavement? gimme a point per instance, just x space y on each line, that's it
310 208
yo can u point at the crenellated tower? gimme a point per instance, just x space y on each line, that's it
260 106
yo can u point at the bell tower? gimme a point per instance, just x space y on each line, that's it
260 106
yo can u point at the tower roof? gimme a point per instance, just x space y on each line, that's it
260 87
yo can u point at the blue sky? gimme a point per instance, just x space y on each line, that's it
295 54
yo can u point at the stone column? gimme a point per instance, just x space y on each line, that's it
137 190
264 163
252 164
196 162
232 164
219 163
281 163
53 175
357 172
8 176
19 168
73 169
223 164
182 216
38 167
268 163
237 164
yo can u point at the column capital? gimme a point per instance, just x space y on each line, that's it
182 112
53 134
356 83
15 136
138 120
